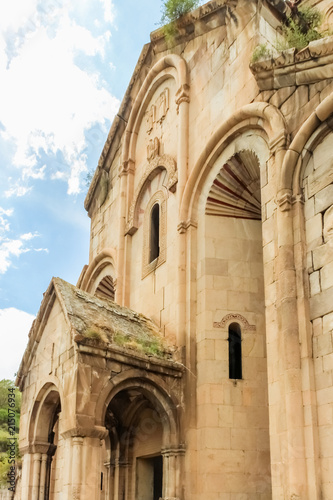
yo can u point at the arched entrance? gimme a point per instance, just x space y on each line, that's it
45 446
142 456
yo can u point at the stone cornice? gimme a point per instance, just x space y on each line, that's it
291 67
131 357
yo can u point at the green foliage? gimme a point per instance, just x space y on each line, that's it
172 10
150 346
260 52
301 28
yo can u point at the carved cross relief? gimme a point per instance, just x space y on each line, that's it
154 117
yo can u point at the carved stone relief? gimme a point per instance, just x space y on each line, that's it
154 116
234 317
153 148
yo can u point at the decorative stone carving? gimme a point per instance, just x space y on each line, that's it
284 201
150 118
162 105
184 225
157 111
236 190
158 163
147 267
234 317
182 95
153 148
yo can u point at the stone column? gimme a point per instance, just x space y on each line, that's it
43 471
121 239
77 443
36 476
292 440
172 473
83 462
182 101
115 471
27 463
122 477
107 481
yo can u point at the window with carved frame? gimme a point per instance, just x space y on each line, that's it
154 233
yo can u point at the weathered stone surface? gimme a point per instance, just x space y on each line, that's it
237 168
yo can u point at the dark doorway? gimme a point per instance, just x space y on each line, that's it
149 478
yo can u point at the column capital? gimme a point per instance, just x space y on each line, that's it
95 431
174 451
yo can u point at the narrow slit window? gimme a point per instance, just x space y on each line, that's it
235 351
154 233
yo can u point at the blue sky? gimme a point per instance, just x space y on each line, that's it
64 68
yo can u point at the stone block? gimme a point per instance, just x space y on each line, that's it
217 267
243 439
314 230
281 95
320 178
328 323
208 416
315 283
325 441
325 414
324 199
323 255
328 224
215 438
309 208
322 345
225 416
321 304
216 393
206 350
328 362
326 276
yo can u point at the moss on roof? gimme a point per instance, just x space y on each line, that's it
102 321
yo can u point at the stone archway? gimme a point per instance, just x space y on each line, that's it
143 455
45 446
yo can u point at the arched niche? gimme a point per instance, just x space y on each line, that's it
172 67
143 421
159 165
229 294
100 276
46 443
257 120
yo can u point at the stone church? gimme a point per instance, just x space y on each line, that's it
193 360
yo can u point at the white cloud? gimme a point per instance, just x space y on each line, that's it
17 191
29 236
13 247
8 249
58 101
108 10
14 327
4 224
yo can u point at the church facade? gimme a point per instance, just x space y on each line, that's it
193 359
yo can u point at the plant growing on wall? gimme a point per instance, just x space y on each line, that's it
301 27
172 10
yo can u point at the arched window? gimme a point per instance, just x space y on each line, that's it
235 351
105 288
154 249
